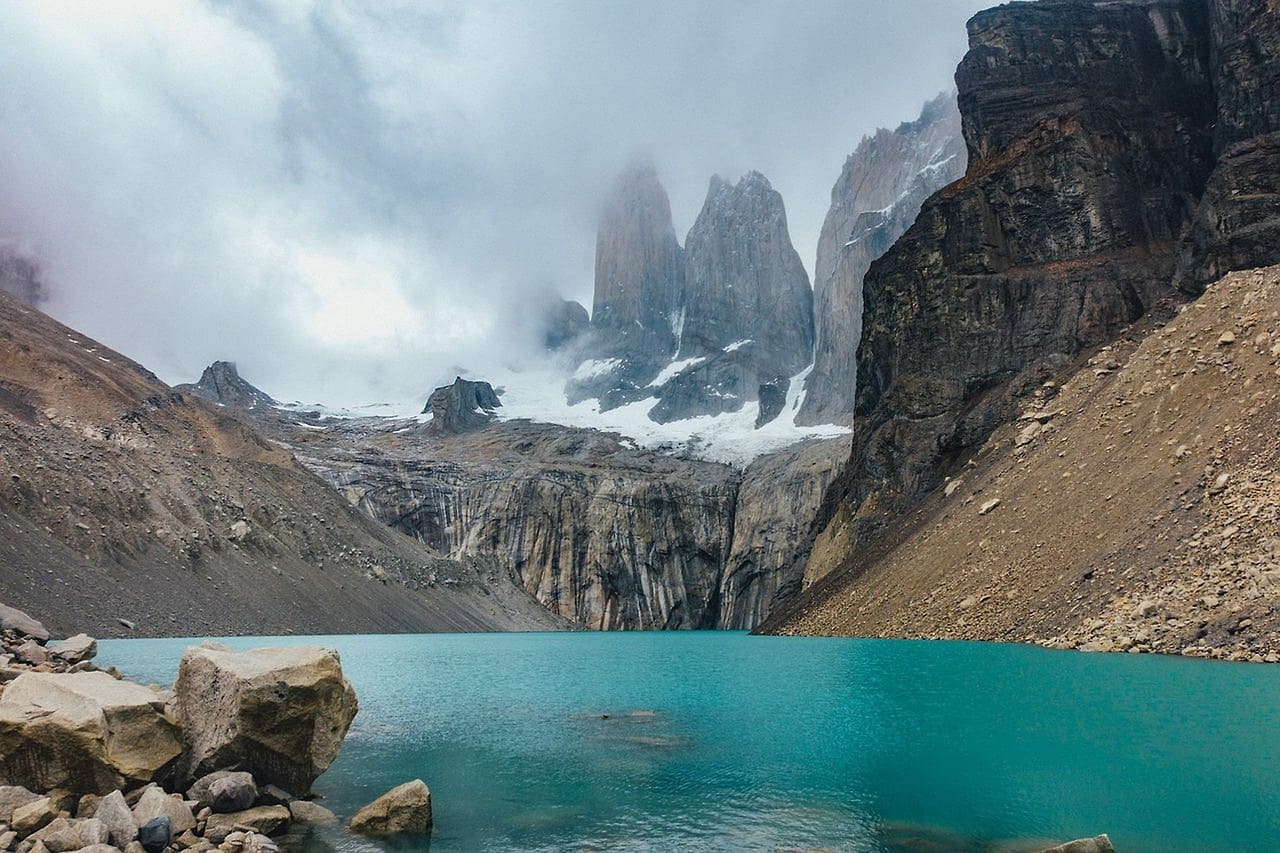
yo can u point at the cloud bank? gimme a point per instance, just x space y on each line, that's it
353 199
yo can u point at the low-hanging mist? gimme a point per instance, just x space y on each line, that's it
353 199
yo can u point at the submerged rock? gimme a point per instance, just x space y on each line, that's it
1097 844
279 713
402 810
84 731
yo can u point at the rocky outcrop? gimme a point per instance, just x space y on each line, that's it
874 202
565 323
1093 130
603 534
280 714
777 500
700 329
639 285
1089 144
1097 844
404 810
461 407
747 315
85 732
222 384
744 280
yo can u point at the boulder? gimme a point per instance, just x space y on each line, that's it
224 791
279 713
66 834
83 731
1097 844
117 818
263 819
12 619
156 803
31 652
234 792
12 796
75 649
33 816
402 810
155 834
305 811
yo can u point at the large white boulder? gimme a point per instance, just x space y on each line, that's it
83 731
278 713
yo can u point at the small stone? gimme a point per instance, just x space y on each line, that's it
971 601
240 531
1146 609
988 506
156 803
1226 339
31 652
12 796
155 834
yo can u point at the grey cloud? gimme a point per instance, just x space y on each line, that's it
350 199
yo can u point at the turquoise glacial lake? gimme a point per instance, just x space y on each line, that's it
722 741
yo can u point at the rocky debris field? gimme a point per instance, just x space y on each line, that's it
1134 507
94 763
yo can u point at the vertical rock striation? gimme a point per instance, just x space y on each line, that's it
874 202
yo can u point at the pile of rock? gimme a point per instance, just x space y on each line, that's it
224 761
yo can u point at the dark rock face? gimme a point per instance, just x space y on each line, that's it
461 407
1238 224
1089 135
221 383
874 202
566 322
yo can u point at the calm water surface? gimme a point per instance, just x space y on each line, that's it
721 741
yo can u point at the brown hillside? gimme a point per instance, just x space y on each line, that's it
1135 508
123 499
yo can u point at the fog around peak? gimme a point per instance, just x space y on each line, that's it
353 200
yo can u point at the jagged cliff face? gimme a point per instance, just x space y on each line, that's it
777 500
639 282
874 202
703 330
1238 224
1092 136
605 535
1087 127
461 407
744 280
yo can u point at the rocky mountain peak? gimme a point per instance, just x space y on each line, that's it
639 267
744 280
221 383
461 407
875 200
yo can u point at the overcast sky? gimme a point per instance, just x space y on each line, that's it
350 198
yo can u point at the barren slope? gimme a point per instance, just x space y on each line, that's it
122 499
1136 508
